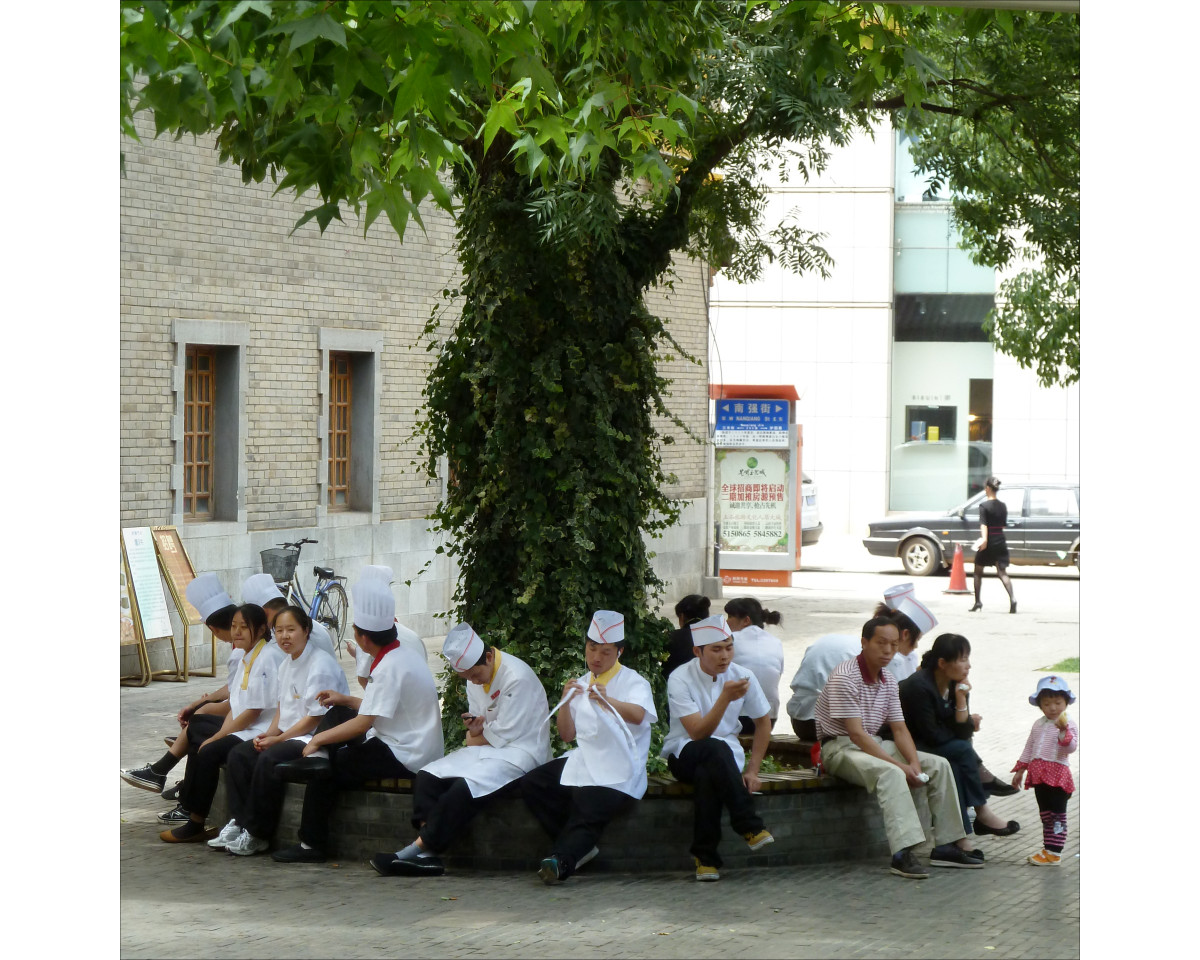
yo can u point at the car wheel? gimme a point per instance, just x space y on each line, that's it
920 556
1075 558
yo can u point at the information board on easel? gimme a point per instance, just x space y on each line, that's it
178 571
130 633
147 600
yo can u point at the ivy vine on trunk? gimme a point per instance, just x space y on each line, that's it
543 400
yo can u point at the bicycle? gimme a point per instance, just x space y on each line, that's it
329 603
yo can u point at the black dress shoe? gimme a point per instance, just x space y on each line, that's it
984 830
390 865
297 854
998 788
305 769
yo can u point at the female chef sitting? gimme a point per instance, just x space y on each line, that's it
255 789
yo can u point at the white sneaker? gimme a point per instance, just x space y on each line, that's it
246 845
587 857
228 834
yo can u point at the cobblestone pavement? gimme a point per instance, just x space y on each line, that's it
189 901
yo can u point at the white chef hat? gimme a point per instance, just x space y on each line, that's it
374 602
607 626
462 647
206 594
376 572
260 588
918 613
893 595
712 629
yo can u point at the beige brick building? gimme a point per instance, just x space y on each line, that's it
216 296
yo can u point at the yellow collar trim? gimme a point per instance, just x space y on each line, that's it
606 677
249 662
487 687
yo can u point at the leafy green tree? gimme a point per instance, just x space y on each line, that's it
579 145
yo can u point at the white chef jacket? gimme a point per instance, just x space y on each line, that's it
691 690
300 680
407 638
904 665
514 708
262 686
402 697
762 654
628 686
818 663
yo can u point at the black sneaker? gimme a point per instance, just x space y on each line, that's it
905 864
390 865
145 778
298 854
948 855
171 794
178 815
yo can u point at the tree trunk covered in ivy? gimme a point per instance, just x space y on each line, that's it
543 399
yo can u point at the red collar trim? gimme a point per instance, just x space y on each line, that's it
383 653
862 668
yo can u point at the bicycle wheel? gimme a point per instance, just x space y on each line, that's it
333 610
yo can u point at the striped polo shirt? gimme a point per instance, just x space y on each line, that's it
849 692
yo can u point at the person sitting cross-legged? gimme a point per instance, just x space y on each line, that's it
859 698
706 696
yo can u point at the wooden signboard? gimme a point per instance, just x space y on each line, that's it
178 571
130 634
147 601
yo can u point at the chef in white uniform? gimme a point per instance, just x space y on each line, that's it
507 736
255 789
253 698
260 588
392 732
608 712
913 619
408 638
706 696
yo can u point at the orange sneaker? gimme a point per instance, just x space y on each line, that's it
1045 859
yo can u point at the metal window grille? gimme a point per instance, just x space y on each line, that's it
340 399
199 394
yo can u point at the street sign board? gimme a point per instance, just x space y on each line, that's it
751 423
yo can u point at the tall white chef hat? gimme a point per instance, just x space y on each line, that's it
206 594
607 626
462 647
712 629
893 595
374 602
260 588
918 613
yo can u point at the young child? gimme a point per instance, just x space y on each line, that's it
1043 765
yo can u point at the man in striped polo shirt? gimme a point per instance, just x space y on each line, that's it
859 698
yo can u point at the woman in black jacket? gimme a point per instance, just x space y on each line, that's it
937 714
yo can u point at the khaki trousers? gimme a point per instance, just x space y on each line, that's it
887 782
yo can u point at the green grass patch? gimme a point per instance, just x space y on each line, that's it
1070 665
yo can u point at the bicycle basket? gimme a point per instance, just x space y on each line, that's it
280 563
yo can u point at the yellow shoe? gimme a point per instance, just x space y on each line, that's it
758 840
706 873
1045 858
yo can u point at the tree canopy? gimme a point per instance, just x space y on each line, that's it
580 144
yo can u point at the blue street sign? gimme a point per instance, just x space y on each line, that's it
751 423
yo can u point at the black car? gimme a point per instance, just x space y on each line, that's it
1043 528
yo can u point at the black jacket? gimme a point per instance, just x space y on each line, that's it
929 718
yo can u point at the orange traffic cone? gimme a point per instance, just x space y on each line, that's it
958 573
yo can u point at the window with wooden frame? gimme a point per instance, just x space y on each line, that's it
341 398
198 408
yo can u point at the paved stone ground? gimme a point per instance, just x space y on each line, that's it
189 901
